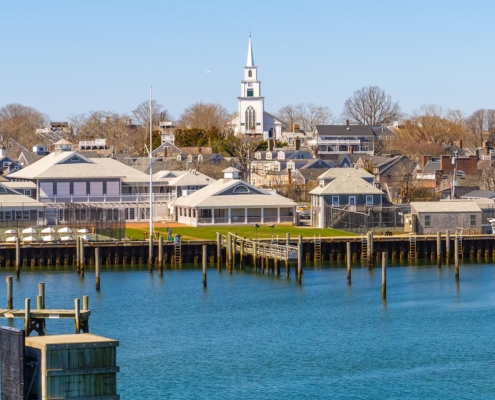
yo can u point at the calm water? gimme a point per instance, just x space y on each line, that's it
252 336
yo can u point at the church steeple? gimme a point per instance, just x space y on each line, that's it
250 58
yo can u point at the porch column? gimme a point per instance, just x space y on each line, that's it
212 215
245 215
262 215
278 214
322 213
230 221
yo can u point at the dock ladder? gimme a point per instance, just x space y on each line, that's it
412 246
459 244
317 242
177 252
364 247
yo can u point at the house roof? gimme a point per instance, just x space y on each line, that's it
347 185
20 185
213 196
431 167
444 206
346 130
346 172
183 178
52 166
479 194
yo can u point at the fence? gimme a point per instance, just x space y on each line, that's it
361 220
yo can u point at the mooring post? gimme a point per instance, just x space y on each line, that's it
348 260
10 296
229 250
81 251
456 258
447 246
439 249
219 248
17 256
150 252
78 253
384 274
41 293
85 304
205 256
77 315
370 249
27 316
97 268
299 260
160 255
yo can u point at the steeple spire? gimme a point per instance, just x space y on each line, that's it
250 58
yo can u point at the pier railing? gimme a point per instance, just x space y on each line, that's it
260 249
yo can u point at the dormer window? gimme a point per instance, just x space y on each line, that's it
179 158
268 156
189 158
200 158
250 73
75 159
241 189
281 155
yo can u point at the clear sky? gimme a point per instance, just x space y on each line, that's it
69 57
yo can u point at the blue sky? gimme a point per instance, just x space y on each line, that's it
68 57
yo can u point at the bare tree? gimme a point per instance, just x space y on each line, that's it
307 115
487 177
205 116
142 113
20 122
481 126
243 148
370 105
433 124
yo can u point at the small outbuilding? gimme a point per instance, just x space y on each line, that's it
430 217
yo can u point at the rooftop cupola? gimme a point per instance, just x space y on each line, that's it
63 145
231 173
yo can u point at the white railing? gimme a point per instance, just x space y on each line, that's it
96 142
122 198
263 249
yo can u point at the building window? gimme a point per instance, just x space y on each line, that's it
75 159
27 192
427 220
250 92
3 190
250 74
369 199
472 220
250 84
241 189
250 117
335 201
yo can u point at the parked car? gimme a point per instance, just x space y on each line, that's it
305 215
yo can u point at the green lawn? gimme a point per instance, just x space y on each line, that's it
264 232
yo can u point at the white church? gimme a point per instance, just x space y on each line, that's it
252 119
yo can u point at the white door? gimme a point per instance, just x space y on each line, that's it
352 203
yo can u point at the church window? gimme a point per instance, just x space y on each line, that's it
250 92
250 117
250 74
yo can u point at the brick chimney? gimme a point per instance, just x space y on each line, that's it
297 143
165 152
289 176
459 143
270 144
351 149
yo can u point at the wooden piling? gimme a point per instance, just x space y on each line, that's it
41 293
439 249
384 275
255 256
77 318
97 268
447 246
78 253
277 267
456 258
241 253
219 249
85 303
287 268
229 250
204 259
299 260
10 296
348 260
160 255
81 252
27 316
369 239
39 302
17 256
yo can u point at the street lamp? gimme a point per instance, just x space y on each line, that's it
271 227
256 226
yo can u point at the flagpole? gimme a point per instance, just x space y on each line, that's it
150 253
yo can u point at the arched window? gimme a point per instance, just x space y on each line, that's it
75 159
3 190
250 118
241 189
250 74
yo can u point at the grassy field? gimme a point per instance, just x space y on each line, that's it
264 232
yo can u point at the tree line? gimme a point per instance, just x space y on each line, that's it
425 130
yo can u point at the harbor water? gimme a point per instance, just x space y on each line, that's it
255 336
